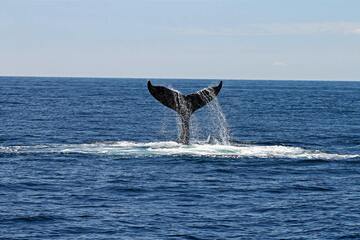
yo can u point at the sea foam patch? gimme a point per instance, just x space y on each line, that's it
170 148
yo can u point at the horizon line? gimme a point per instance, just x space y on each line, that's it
180 78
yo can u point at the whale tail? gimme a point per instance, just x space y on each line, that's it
184 105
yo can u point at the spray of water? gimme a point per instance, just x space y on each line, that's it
213 126
216 121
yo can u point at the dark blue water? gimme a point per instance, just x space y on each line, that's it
96 159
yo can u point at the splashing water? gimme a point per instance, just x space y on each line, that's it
214 125
215 121
218 122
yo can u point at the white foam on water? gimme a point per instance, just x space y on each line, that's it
153 149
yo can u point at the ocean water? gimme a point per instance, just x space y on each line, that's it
84 158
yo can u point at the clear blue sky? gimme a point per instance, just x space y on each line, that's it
229 39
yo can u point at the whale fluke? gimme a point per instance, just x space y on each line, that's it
184 105
203 97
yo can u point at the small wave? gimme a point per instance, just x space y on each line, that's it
169 148
35 218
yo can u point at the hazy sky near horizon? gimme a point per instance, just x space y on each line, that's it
228 39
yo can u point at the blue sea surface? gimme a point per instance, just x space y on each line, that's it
92 158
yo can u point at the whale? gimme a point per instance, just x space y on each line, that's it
184 105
